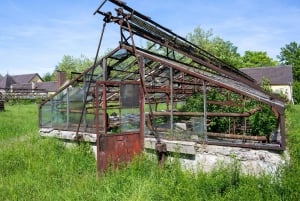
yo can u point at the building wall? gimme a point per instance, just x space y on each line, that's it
283 89
36 79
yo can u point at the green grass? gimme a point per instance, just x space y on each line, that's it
35 168
18 120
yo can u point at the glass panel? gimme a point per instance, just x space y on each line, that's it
130 119
59 112
120 54
198 127
46 115
130 95
64 110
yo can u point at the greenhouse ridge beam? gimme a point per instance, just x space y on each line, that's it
144 27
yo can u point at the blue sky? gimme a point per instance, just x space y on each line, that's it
36 34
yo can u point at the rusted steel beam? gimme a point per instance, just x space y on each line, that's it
79 77
187 82
210 114
142 23
227 103
205 62
181 67
164 89
235 136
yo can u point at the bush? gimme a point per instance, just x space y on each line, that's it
296 92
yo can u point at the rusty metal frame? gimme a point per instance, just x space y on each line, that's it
169 76
135 24
113 149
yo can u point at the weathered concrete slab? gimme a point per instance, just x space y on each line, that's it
251 161
67 135
205 157
183 147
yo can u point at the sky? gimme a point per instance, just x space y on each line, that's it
36 34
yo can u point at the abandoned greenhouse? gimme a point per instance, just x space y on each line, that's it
170 90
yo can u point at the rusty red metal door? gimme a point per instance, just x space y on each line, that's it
115 144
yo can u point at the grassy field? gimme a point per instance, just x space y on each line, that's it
35 168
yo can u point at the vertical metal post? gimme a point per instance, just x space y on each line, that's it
104 99
204 111
171 94
142 105
104 105
97 109
245 120
104 69
68 109
282 129
85 94
229 125
52 113
97 125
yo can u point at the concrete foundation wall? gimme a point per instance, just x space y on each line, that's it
207 157
197 156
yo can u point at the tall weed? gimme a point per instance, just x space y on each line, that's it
18 120
35 168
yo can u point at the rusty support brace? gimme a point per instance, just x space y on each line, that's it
161 151
210 114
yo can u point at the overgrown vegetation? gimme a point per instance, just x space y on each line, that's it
260 123
35 168
18 120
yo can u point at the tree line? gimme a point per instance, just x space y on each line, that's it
224 50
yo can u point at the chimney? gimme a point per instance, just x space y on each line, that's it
61 78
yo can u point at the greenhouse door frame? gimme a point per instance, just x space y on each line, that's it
114 149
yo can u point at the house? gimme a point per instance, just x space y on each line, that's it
20 83
30 83
280 77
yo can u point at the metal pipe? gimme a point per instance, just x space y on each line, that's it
89 83
171 101
204 111
208 114
68 108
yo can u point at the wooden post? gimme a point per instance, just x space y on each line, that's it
2 106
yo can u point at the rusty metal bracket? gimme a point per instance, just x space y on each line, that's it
161 151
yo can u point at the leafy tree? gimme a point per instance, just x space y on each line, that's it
201 37
215 45
263 122
70 64
47 77
257 59
296 92
290 55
